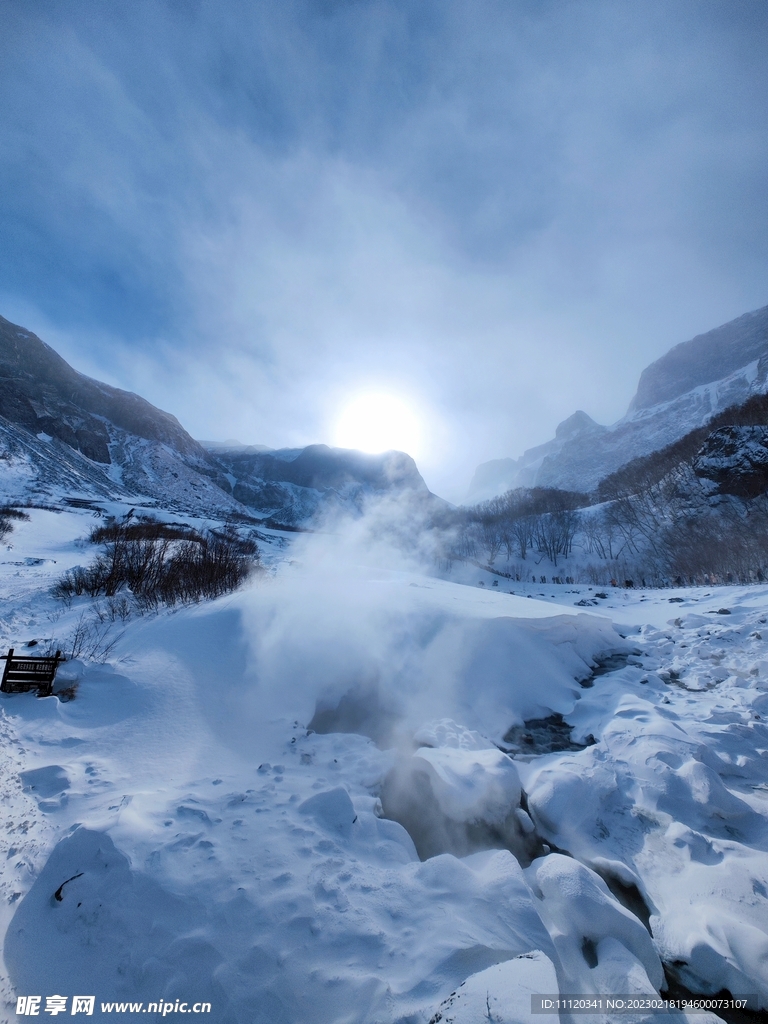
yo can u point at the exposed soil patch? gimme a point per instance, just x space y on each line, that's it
359 711
541 736
676 989
610 663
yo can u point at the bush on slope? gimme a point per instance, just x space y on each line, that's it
161 563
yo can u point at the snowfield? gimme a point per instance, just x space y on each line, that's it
233 807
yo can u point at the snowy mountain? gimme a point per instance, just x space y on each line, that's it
676 394
61 431
295 483
501 475
65 434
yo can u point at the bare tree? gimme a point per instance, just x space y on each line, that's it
555 532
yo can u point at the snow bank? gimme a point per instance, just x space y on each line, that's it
471 785
584 913
203 843
671 801
92 924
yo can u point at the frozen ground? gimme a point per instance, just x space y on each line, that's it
211 818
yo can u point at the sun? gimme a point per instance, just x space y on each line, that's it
375 422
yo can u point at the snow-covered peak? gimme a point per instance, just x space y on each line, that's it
704 359
578 423
676 394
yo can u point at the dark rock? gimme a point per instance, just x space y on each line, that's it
321 468
263 479
736 460
542 736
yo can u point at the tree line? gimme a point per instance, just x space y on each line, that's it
654 521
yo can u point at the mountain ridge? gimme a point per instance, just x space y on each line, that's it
676 393
39 388
62 429
703 359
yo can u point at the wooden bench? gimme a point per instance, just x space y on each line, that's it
23 674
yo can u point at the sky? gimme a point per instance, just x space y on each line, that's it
256 214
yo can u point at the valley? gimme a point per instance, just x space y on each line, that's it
405 767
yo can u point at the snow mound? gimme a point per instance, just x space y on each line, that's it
332 810
584 913
502 993
471 785
92 924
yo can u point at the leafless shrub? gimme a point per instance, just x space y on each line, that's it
157 563
597 574
146 528
7 515
599 535
9 512
544 517
92 640
728 544
118 608
78 638
523 531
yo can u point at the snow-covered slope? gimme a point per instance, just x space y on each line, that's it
181 831
43 469
676 394
62 433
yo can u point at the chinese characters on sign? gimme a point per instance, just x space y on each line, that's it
29 1006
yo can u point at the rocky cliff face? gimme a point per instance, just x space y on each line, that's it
735 460
709 357
61 430
676 394
41 392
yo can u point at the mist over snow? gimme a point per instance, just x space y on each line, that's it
359 789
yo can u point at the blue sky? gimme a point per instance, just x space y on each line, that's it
499 211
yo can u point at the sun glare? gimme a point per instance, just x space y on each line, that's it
378 423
